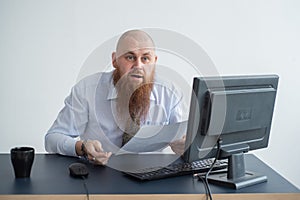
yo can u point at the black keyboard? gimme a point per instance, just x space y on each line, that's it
178 169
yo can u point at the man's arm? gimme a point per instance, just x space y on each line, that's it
178 146
92 150
78 148
178 114
71 122
60 143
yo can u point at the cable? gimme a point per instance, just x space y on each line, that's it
205 185
85 188
204 180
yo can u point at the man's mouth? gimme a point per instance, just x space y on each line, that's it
137 76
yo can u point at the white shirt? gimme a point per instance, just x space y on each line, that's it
88 113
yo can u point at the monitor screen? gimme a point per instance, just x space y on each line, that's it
235 111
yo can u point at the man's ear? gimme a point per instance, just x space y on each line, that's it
114 59
155 59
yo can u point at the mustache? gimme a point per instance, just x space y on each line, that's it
136 72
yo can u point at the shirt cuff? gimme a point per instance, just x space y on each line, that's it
69 147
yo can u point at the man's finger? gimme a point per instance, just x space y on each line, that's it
97 146
101 161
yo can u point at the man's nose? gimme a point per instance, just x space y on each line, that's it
138 64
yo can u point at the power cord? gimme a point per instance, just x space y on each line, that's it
85 188
205 185
204 178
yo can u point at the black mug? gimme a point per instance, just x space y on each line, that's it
22 160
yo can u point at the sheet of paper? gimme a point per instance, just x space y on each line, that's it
154 138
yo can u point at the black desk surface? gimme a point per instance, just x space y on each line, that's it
50 175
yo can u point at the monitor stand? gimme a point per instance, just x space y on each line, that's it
236 176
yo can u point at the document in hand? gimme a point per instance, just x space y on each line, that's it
154 138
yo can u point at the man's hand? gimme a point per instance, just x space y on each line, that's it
95 153
178 146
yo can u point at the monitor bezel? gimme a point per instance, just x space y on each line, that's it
201 85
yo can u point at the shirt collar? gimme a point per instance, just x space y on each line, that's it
112 91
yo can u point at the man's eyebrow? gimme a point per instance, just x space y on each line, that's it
129 52
148 53
132 53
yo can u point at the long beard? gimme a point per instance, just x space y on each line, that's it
130 101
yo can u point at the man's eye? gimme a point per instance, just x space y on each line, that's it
131 58
146 59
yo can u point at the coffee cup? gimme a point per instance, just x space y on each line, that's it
22 160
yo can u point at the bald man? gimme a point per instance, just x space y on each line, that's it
105 110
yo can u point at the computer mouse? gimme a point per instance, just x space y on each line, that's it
78 170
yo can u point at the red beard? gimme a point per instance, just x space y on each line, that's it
135 101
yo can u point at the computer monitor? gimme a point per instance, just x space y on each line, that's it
236 113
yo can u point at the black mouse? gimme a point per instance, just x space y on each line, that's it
78 170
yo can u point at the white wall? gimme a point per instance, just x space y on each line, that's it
43 45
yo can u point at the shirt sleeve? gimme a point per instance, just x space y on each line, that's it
69 124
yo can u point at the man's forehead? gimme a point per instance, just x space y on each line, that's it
134 41
135 47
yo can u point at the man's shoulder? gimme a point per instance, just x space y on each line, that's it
163 83
95 79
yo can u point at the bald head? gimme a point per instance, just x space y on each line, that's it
133 40
135 57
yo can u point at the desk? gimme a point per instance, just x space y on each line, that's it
50 180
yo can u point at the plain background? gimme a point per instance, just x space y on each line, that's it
43 45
